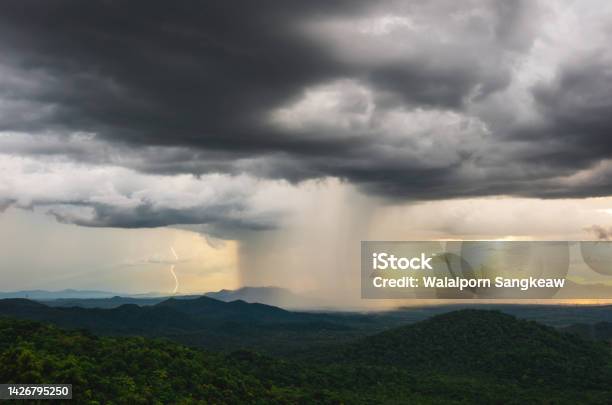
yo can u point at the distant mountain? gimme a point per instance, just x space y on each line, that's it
202 321
276 296
233 311
127 318
112 302
51 295
185 314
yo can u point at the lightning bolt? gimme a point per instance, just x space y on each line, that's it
176 282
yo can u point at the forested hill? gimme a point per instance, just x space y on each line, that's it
169 315
487 343
461 357
205 322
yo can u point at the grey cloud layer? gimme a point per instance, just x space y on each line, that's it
411 100
107 196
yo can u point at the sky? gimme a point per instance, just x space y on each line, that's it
263 140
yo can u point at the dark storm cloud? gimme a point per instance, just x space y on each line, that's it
219 218
196 73
577 106
191 87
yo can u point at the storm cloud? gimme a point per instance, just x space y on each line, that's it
407 100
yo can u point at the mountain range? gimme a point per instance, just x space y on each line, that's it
206 322
465 356
276 296
50 295
203 322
